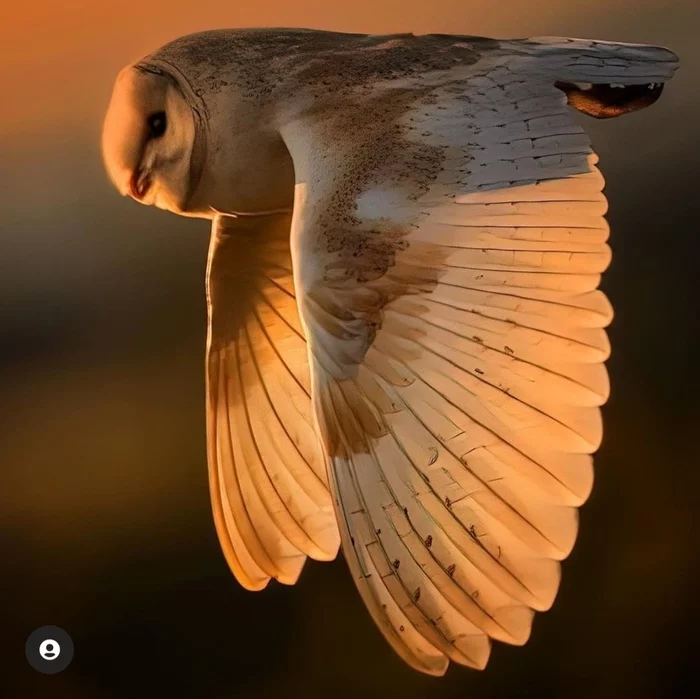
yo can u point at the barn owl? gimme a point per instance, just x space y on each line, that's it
406 340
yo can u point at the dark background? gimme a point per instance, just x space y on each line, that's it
105 523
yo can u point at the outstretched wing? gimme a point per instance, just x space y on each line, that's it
268 481
449 239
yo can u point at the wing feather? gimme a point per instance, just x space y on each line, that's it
268 480
457 334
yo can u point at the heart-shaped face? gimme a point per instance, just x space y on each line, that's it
148 139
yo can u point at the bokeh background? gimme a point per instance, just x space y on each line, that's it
105 526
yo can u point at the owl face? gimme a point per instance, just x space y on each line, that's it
194 152
149 140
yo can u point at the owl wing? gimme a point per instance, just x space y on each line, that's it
269 491
448 242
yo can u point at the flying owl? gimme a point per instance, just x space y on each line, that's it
406 340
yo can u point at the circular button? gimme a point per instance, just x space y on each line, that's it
49 649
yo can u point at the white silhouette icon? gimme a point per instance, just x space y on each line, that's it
49 649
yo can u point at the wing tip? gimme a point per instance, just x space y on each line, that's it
437 671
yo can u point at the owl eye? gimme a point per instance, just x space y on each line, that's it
157 124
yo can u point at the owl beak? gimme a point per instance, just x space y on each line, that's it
139 185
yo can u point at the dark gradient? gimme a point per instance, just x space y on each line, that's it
106 524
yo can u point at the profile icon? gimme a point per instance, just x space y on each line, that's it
49 649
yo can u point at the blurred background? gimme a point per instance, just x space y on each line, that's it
105 518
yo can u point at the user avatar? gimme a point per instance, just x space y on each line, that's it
49 649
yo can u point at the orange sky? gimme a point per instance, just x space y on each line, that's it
59 58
